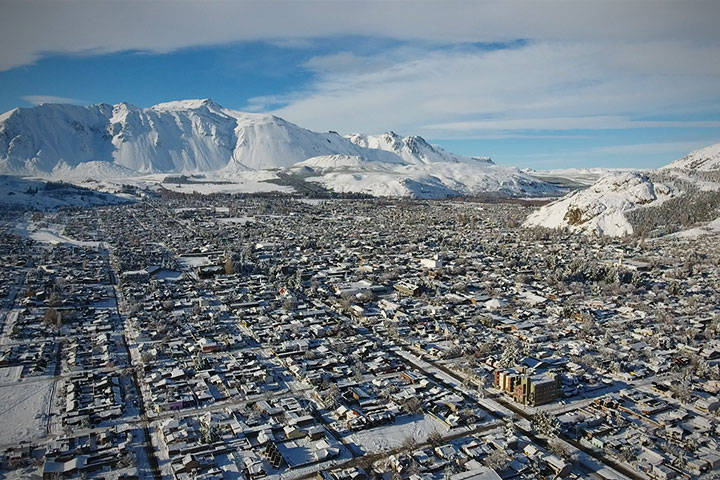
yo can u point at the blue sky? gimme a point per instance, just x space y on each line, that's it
534 84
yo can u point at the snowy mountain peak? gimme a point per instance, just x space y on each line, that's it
123 106
413 149
6 115
199 136
707 158
193 104
181 136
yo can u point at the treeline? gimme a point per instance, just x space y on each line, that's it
692 207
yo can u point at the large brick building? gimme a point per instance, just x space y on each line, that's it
527 389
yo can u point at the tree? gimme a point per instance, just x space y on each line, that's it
510 355
545 423
409 443
682 392
52 318
230 266
558 448
412 406
510 429
497 460
331 396
435 438
209 433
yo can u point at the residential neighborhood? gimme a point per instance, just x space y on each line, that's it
268 336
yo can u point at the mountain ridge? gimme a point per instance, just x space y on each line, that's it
200 136
173 137
630 202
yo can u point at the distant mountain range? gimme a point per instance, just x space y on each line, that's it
683 196
199 136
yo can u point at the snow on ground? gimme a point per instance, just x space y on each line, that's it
432 180
711 228
240 220
235 186
418 427
600 208
192 262
50 234
10 374
583 176
32 193
204 183
23 410
707 158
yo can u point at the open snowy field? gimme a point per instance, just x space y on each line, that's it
23 409
379 439
192 262
10 374
50 234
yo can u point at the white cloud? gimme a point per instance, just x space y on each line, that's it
346 62
566 123
40 99
678 148
587 64
31 28
466 93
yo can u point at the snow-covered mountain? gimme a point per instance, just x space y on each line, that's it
704 159
414 150
601 208
199 136
347 174
182 136
681 195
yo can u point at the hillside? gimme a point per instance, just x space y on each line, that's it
704 159
682 195
413 149
182 136
24 193
103 142
419 180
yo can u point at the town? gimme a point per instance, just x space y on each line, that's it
248 336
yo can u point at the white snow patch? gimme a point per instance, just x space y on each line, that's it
600 208
707 158
192 262
711 228
52 234
23 409
379 439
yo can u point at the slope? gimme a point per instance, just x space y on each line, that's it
704 159
413 150
182 136
345 174
682 195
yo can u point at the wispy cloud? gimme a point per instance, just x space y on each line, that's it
537 86
679 148
40 99
30 30
566 123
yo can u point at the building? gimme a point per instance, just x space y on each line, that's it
530 390
536 390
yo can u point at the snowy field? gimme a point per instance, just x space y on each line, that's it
10 374
192 262
240 220
23 409
50 234
379 439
